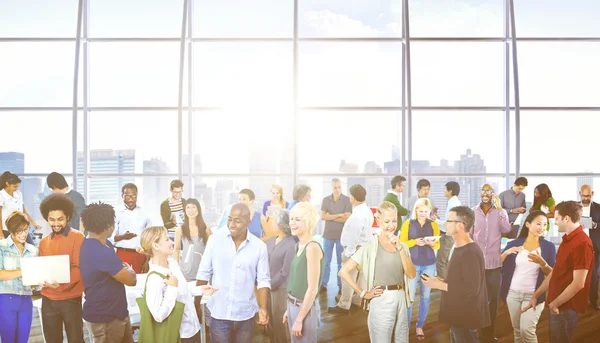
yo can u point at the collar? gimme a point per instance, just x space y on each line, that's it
394 192
454 197
5 193
65 232
572 235
248 234
333 197
124 207
28 246
360 205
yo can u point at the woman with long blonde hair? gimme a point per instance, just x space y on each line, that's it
268 218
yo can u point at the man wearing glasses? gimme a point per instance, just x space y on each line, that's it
491 222
129 224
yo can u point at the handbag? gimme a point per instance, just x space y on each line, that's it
152 331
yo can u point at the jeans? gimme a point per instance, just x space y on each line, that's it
424 293
493 279
55 313
328 247
16 313
524 324
229 331
462 335
562 326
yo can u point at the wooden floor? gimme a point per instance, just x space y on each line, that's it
352 328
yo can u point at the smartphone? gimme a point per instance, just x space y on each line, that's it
424 274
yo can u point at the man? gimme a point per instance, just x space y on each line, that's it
568 284
57 183
301 193
247 197
513 201
61 304
172 208
423 188
464 304
356 232
336 209
104 274
592 209
446 242
393 196
130 223
491 222
236 260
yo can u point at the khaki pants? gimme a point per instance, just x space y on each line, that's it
388 318
310 325
524 324
347 291
115 331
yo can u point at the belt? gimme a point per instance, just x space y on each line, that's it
294 301
128 250
392 287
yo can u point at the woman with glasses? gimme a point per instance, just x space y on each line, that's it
387 267
422 253
16 306
526 261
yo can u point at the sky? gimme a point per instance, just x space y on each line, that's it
252 83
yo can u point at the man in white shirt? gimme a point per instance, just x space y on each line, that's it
129 224
446 241
356 232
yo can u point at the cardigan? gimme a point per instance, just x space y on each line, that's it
509 265
393 198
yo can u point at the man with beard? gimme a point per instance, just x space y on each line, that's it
61 304
491 222
592 209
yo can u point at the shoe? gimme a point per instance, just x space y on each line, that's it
337 309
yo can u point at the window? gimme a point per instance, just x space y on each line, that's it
348 142
541 18
350 74
132 142
457 74
458 142
30 18
562 188
321 187
34 190
338 18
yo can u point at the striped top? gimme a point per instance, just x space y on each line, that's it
177 209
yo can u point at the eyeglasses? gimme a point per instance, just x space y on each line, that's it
130 196
20 232
487 191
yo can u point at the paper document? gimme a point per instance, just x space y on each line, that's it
586 222
37 270
431 238
519 219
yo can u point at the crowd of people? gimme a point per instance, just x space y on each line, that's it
266 267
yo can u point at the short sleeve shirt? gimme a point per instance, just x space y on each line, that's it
10 204
333 229
105 298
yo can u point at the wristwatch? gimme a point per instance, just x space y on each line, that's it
364 292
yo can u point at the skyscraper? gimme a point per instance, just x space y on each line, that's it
155 189
470 163
14 162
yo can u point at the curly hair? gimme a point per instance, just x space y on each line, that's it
98 217
57 202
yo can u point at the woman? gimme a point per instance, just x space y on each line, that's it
161 294
543 200
193 235
281 249
11 200
422 255
267 219
387 267
16 306
306 270
526 261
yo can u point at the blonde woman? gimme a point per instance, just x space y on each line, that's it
306 270
267 219
422 252
162 293
387 267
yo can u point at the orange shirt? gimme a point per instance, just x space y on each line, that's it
67 243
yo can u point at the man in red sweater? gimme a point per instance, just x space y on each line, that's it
61 304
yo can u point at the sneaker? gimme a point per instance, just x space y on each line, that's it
337 309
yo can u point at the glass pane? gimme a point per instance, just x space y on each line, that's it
135 18
34 190
338 18
38 18
467 18
558 74
37 74
216 194
350 74
321 187
563 188
256 19
567 138
37 142
134 74
457 74
456 142
249 140
577 18
243 74
347 142
133 142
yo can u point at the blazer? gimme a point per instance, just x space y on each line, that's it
509 265
595 233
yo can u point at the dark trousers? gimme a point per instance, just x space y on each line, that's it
229 331
55 313
562 326
594 284
493 279
194 339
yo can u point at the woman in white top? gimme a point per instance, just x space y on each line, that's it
161 294
12 200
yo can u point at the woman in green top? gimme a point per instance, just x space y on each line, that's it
387 267
303 311
543 201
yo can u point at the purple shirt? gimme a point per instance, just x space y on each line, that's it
487 233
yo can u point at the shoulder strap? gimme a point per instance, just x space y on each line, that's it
148 276
320 247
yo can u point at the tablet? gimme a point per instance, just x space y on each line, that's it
586 222
37 270
432 238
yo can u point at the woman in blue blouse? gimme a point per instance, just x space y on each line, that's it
16 306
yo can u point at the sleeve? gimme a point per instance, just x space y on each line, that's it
551 202
2 202
108 262
583 257
404 235
279 278
359 255
505 226
263 275
160 299
117 226
205 270
471 277
265 208
350 232
165 214
523 203
436 232
502 196
79 204
74 257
